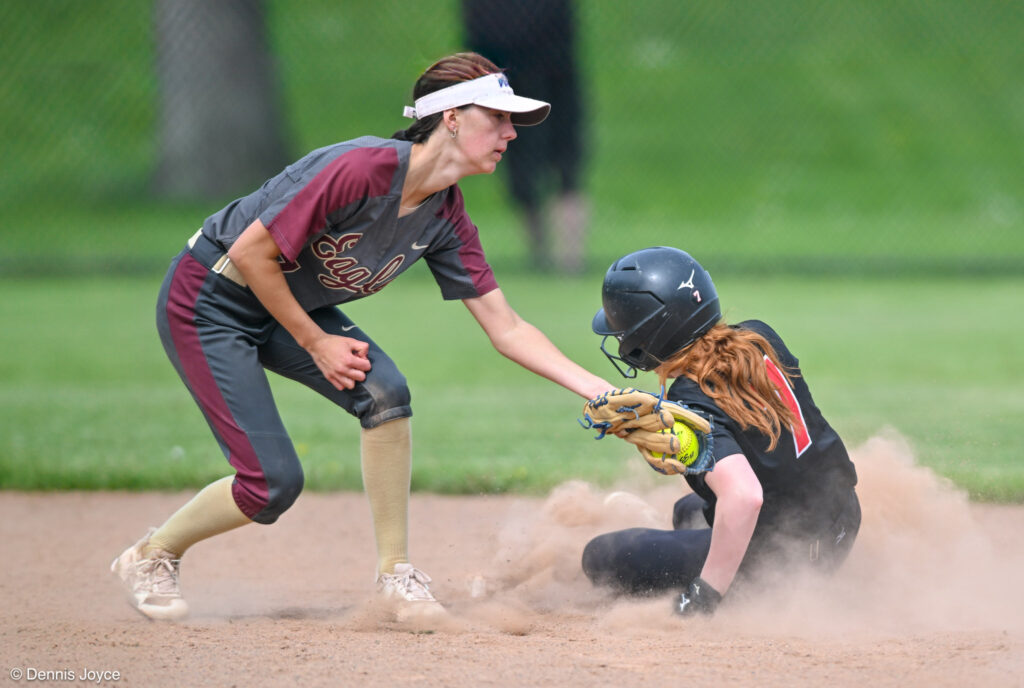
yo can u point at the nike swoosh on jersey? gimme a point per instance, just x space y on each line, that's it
346 328
417 247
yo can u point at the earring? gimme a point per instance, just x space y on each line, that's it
453 132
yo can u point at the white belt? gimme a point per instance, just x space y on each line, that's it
223 266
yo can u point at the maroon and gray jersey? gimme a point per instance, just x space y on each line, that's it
334 215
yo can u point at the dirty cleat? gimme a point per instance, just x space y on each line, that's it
408 590
151 580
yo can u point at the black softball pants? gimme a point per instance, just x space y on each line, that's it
647 561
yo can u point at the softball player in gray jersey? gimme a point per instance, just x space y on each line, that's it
257 288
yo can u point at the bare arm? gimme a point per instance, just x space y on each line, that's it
523 343
342 360
739 502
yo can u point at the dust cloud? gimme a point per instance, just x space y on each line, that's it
923 561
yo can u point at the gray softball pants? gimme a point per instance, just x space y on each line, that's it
221 341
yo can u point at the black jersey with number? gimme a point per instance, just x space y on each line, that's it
806 476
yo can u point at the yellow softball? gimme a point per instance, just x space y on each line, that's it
689 446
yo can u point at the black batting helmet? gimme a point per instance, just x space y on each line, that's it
656 301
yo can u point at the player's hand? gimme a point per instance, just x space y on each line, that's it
699 598
342 360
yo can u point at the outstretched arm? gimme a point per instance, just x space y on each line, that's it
523 343
738 504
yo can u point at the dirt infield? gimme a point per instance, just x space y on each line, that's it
931 596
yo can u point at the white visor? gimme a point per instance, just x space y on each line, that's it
491 91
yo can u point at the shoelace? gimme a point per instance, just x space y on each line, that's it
159 575
415 583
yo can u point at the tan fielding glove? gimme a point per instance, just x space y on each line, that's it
645 420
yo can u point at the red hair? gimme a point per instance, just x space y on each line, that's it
728 364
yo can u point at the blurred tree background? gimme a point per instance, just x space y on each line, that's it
797 136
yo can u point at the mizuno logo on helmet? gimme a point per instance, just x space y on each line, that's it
687 283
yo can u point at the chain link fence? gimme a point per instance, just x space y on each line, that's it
799 135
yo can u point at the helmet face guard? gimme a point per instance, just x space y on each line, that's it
631 354
626 369
656 302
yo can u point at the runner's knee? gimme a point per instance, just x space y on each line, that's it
599 560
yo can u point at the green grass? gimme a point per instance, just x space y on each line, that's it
875 147
87 399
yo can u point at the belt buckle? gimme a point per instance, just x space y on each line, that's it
222 263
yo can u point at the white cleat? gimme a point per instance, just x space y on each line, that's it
152 581
408 590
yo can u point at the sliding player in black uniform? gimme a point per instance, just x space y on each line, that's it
781 490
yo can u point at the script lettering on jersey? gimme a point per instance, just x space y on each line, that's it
345 271
801 436
386 274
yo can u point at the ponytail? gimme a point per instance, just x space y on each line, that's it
420 130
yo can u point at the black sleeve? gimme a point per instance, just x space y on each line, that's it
723 428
